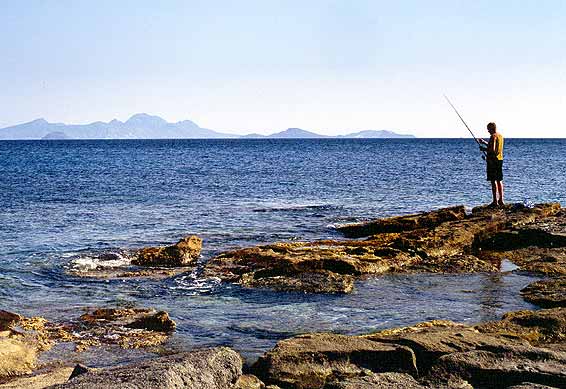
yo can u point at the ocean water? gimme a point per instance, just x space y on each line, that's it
63 202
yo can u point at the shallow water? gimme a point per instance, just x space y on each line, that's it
66 201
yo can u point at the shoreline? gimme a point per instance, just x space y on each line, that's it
407 244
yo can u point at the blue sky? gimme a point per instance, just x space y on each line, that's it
261 66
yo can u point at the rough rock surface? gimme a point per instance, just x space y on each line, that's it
430 342
377 381
500 367
16 357
547 293
204 369
446 240
41 380
183 253
313 360
249 381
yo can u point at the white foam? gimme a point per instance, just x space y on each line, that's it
86 263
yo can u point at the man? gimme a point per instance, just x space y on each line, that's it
494 149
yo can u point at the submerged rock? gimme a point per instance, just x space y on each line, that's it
183 253
217 368
447 240
546 293
313 360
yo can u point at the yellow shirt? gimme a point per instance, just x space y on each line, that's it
498 154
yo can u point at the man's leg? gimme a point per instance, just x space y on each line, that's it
494 192
500 192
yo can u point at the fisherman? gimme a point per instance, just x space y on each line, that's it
494 150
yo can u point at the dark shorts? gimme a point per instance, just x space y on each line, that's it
494 170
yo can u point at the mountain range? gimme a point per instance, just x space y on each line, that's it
144 126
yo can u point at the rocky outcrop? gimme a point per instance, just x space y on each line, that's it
447 240
313 360
500 367
377 381
217 368
16 357
41 380
546 293
183 253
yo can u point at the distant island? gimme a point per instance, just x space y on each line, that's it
144 126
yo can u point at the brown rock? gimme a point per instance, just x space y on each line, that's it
541 327
8 319
500 367
313 360
403 223
217 368
185 252
430 342
141 318
377 381
16 357
248 381
547 293
309 282
39 381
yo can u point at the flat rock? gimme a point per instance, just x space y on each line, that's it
41 380
403 223
16 357
541 328
308 282
430 342
546 293
530 385
500 367
313 360
377 381
183 253
203 369
141 318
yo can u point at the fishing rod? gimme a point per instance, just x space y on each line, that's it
457 113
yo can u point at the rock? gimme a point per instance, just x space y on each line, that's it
403 223
542 327
141 318
8 320
203 369
183 253
530 385
248 381
430 341
547 293
16 357
78 370
313 360
377 381
39 381
309 282
503 366
446 240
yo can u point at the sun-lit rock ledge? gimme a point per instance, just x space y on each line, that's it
442 241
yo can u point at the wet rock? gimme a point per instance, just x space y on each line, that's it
543 327
142 318
207 369
39 381
547 293
403 223
430 341
16 357
377 381
313 360
503 366
530 385
183 253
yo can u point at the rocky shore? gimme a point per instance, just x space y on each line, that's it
524 349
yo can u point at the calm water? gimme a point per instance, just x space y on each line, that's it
63 201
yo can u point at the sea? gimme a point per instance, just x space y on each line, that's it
64 202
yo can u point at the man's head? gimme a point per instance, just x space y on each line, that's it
491 127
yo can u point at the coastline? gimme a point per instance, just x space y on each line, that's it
428 242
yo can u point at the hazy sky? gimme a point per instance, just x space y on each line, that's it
261 66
